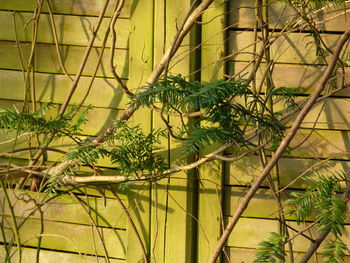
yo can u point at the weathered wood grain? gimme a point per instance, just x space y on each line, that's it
263 204
294 48
302 77
71 237
46 59
48 256
54 88
71 30
66 208
210 174
242 14
250 231
71 7
244 255
244 171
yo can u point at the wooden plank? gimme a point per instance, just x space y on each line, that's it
54 88
71 30
246 236
85 8
71 237
321 144
211 176
304 77
241 255
263 204
242 14
47 256
244 171
294 48
140 67
66 208
71 55
213 42
159 208
329 114
181 209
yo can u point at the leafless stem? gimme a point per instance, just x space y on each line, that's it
84 60
111 58
54 32
131 221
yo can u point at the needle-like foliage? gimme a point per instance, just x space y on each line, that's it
227 107
334 252
271 250
39 122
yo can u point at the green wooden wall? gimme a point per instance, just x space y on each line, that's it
179 218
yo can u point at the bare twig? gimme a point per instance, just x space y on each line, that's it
114 36
54 32
131 221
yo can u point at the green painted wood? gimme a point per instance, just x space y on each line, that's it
244 255
242 15
246 236
159 208
71 237
304 77
282 51
54 88
263 204
71 55
47 256
71 30
244 171
180 242
213 43
66 208
210 187
140 67
74 7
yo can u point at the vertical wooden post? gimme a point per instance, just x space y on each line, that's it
173 204
140 67
210 192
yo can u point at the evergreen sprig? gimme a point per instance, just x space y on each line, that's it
271 249
128 148
334 252
12 120
228 107
321 197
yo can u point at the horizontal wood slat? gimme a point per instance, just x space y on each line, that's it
85 8
244 171
263 204
242 14
241 255
55 87
71 237
302 77
47 256
46 59
71 30
66 208
294 48
245 235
